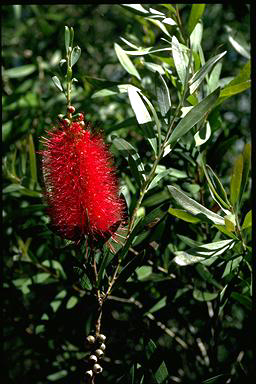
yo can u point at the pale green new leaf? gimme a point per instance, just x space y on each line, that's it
179 60
199 76
126 62
194 207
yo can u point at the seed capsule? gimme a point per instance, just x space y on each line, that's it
89 373
66 122
97 368
102 338
71 109
102 347
90 339
93 359
81 116
99 353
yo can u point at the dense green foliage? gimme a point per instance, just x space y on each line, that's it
180 309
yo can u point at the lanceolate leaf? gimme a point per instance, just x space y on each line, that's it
194 207
193 116
183 215
125 61
162 94
57 83
195 14
199 76
178 58
236 179
76 52
141 112
247 220
246 168
67 38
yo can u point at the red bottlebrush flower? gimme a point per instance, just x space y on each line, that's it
80 181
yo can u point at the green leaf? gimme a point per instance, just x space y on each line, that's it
41 277
247 220
126 62
199 141
72 301
243 299
137 8
129 152
238 42
55 265
197 11
32 161
183 215
246 168
162 94
202 252
204 296
230 222
232 90
57 375
214 77
194 207
56 302
143 272
236 180
141 112
197 113
168 172
206 275
159 305
57 83
199 76
231 266
196 37
159 24
75 54
179 60
67 38
22 71
161 373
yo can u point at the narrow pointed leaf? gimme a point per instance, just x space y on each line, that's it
193 116
178 58
194 207
126 62
246 168
236 179
197 11
32 161
57 83
183 215
198 139
67 38
247 220
199 76
162 94
76 53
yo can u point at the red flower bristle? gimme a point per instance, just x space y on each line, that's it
80 182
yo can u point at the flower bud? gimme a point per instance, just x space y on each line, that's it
99 353
90 339
97 368
71 109
101 337
66 122
60 116
81 116
82 123
102 347
89 373
93 359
